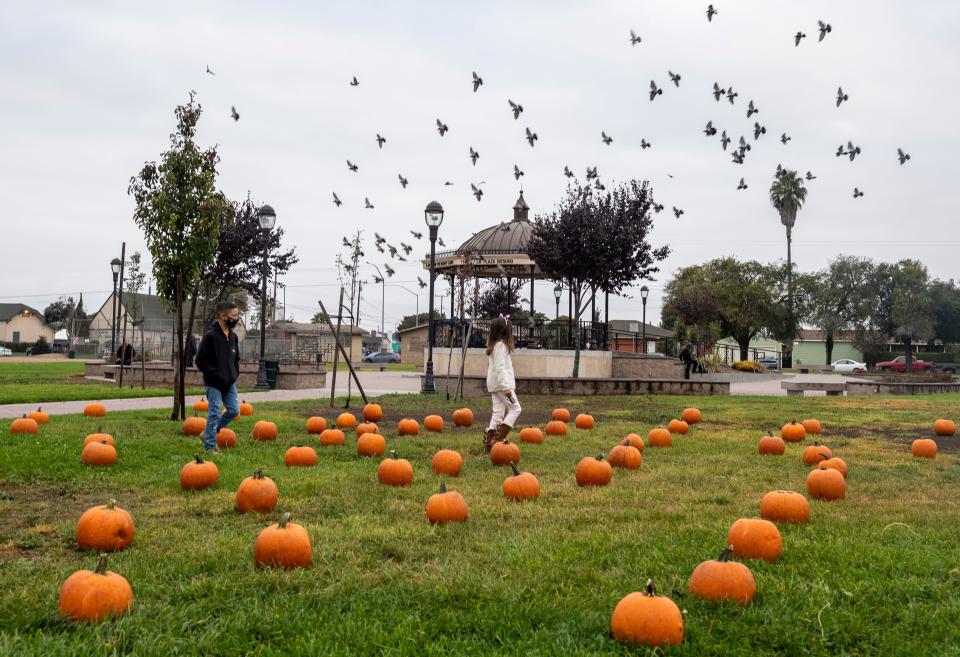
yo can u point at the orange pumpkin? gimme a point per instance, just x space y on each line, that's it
105 527
659 438
812 426
446 506
793 432
835 463
826 484
584 421
592 471
785 506
463 417
924 447
246 409
521 485
95 409
283 544
635 441
332 437
625 455
394 471
346 421
371 444
408 427
944 427
678 426
99 453
719 579
98 438
92 595
647 619
257 493
771 445
691 415
372 412
754 538
367 427
316 424
813 454
264 430
504 452
556 428
226 438
197 474
447 462
201 405
561 415
300 455
194 426
39 416
433 423
24 425
531 435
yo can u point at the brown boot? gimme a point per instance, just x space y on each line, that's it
488 439
503 431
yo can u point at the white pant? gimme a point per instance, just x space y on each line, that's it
504 411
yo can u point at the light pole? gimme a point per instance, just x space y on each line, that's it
433 215
416 321
557 292
383 296
644 293
267 218
115 268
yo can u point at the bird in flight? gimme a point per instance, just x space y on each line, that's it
600 186
354 82
440 241
353 167
393 251
380 248
841 96
442 127
605 138
379 239
658 207
857 193
567 172
406 248
474 156
758 130
825 29
387 268
840 151
476 191
517 172
724 139
377 280
784 138
742 185
346 242
531 137
677 212
416 234
744 146
516 108
710 13
209 71
674 78
447 184
810 176
380 140
709 130
336 200
477 81
903 157
796 38
634 39
738 157
403 181
644 144
654 90
731 94
592 173
718 92
233 113
421 282
751 110
852 151
367 204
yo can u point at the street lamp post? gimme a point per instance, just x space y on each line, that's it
267 218
644 293
557 292
433 216
115 268
416 321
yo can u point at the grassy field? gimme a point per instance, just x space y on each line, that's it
875 574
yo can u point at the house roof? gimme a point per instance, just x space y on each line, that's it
303 327
652 331
816 335
10 310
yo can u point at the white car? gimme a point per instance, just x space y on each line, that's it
848 365
5 352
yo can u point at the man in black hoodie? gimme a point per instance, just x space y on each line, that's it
218 357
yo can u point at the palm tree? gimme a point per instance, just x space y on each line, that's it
787 195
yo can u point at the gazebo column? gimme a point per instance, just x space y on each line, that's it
532 318
606 320
509 294
452 298
569 316
593 313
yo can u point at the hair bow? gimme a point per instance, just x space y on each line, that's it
505 317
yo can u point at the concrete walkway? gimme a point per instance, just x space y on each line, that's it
771 387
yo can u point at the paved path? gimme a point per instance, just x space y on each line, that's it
771 387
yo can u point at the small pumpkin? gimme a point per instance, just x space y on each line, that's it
691 415
433 423
521 485
39 416
720 579
678 426
625 455
447 462
446 506
99 437
95 409
331 437
943 427
246 409
785 506
263 430
226 438
194 426
283 544
755 538
584 421
659 437
812 426
408 427
92 595
371 444
531 435
24 425
372 412
346 421
924 448
835 463
257 493
555 428
813 454
647 619
826 484
197 474
367 427
771 445
105 527
793 432
560 415
300 455
394 471
99 453
504 452
463 417
592 471
316 424
201 405
635 441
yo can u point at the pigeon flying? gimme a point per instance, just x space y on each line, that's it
474 156
531 137
233 113
477 81
797 37
710 13
674 78
517 172
742 185
380 141
654 91
841 96
634 39
825 29
605 138
442 127
516 108
903 157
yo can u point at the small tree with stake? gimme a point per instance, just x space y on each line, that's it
597 242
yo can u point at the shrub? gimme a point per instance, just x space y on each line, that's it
712 362
41 346
748 366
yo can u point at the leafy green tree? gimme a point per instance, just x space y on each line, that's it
787 194
319 317
912 312
945 296
409 321
179 210
840 297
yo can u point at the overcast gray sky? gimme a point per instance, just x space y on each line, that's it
89 93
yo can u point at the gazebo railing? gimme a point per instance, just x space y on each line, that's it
550 334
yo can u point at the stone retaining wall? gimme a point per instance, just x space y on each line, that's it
290 377
871 388
475 386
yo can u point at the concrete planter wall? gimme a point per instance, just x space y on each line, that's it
290 377
476 386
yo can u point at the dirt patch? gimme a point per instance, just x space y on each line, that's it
902 436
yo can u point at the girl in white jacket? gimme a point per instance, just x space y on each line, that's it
500 382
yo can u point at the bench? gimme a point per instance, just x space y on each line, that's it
815 369
797 388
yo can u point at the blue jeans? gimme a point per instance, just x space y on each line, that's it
217 420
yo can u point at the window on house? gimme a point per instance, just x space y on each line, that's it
16 336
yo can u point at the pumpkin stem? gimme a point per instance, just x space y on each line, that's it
258 474
513 466
39 409
727 551
599 457
196 457
393 453
284 519
651 589
111 505
625 442
443 488
102 564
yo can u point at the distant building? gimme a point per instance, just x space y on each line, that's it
21 323
299 341
627 335
810 348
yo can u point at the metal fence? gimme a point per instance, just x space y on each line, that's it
551 334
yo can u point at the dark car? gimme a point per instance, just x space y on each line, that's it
770 362
382 357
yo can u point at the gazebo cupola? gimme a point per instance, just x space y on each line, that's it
520 209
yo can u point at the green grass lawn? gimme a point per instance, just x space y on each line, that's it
875 574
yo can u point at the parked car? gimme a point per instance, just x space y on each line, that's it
382 357
848 365
770 362
5 351
899 364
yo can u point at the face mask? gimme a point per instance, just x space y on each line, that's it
231 321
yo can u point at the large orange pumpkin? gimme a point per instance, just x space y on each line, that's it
719 579
592 471
300 455
813 454
99 437
785 506
257 493
92 595
246 409
521 485
826 484
463 417
408 427
264 430
331 437
504 452
793 432
372 412
371 444
105 527
754 538
446 506
283 544
584 421
771 445
226 438
944 427
556 428
201 405
39 416
531 435
836 463
678 426
433 423
635 441
447 462
194 426
812 426
95 409
625 455
691 415
394 471
24 425
316 424
367 427
198 473
659 437
924 447
560 414
99 453
647 618
346 421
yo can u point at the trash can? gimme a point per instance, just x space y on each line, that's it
71 354
272 367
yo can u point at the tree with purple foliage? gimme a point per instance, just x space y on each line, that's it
597 242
